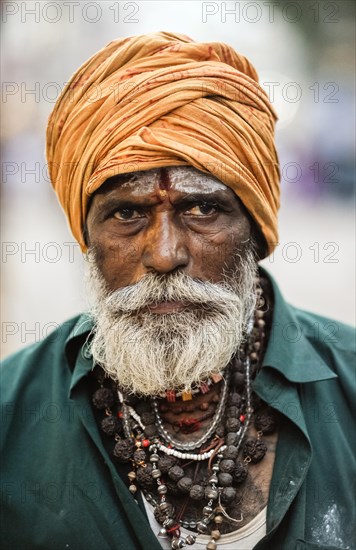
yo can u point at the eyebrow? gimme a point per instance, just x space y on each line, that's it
213 197
110 202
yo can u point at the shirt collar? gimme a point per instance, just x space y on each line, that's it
289 348
77 339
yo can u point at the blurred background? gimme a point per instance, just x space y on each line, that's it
304 52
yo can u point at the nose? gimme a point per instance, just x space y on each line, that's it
165 249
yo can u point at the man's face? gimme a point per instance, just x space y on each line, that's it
172 274
165 220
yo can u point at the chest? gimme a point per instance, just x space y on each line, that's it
251 493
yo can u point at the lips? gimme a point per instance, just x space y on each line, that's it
167 307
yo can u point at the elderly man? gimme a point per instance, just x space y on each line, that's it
192 406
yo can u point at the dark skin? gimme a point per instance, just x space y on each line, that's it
172 223
160 222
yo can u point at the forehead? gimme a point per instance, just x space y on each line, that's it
184 179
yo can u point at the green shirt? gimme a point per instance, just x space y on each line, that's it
61 490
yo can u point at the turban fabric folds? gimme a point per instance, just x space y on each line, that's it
158 100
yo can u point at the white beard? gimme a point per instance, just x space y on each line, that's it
148 353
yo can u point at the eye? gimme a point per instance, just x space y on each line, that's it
127 214
202 209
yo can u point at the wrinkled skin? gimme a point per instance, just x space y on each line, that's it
164 220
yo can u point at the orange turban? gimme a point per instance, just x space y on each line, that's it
162 99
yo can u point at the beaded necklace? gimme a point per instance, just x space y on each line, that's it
158 459
193 444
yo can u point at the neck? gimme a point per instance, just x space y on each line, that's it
187 420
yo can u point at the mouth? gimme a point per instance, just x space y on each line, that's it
167 307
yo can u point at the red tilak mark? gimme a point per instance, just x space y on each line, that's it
164 181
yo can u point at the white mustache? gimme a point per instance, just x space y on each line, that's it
178 287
